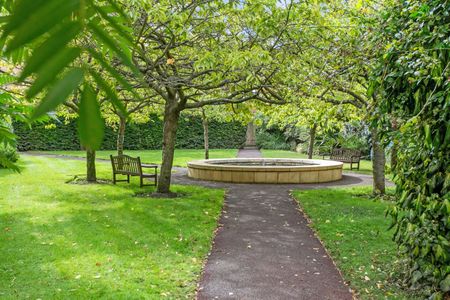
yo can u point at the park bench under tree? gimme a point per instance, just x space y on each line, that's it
131 166
345 155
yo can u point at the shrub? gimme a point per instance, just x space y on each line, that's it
414 89
272 139
9 153
137 136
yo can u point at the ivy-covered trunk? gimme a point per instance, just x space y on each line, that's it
121 135
205 134
171 117
91 174
378 163
312 138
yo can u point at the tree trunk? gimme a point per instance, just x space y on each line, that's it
205 134
312 138
121 135
171 116
378 163
91 174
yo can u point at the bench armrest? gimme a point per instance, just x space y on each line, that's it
149 166
356 157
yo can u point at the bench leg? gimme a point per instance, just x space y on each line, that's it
128 178
358 165
141 181
114 178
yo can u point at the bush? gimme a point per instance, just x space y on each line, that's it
9 153
63 136
413 89
271 139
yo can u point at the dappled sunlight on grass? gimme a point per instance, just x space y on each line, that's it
87 241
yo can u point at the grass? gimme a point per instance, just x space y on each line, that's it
353 229
182 156
364 168
69 241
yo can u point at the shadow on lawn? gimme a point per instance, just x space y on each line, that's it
106 246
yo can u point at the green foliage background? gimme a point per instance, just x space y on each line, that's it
137 136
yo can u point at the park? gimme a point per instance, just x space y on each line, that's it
224 150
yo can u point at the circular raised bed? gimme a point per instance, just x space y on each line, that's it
266 170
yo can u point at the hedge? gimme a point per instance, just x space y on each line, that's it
61 136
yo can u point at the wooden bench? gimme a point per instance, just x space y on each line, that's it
130 166
345 155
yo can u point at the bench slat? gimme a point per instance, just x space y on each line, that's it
346 155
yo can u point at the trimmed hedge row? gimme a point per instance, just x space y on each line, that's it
137 136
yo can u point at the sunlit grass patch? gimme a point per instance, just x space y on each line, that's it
70 241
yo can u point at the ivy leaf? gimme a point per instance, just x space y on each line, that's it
445 284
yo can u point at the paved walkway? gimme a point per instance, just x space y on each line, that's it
264 249
249 153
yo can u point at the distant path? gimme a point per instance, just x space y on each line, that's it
247 153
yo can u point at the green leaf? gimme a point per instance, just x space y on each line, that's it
117 9
104 37
120 29
445 284
116 75
51 69
59 92
52 45
113 98
4 161
22 10
90 122
41 21
427 134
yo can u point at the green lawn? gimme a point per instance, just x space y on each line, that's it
353 229
182 156
364 168
68 241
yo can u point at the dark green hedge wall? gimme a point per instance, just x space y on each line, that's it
137 136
